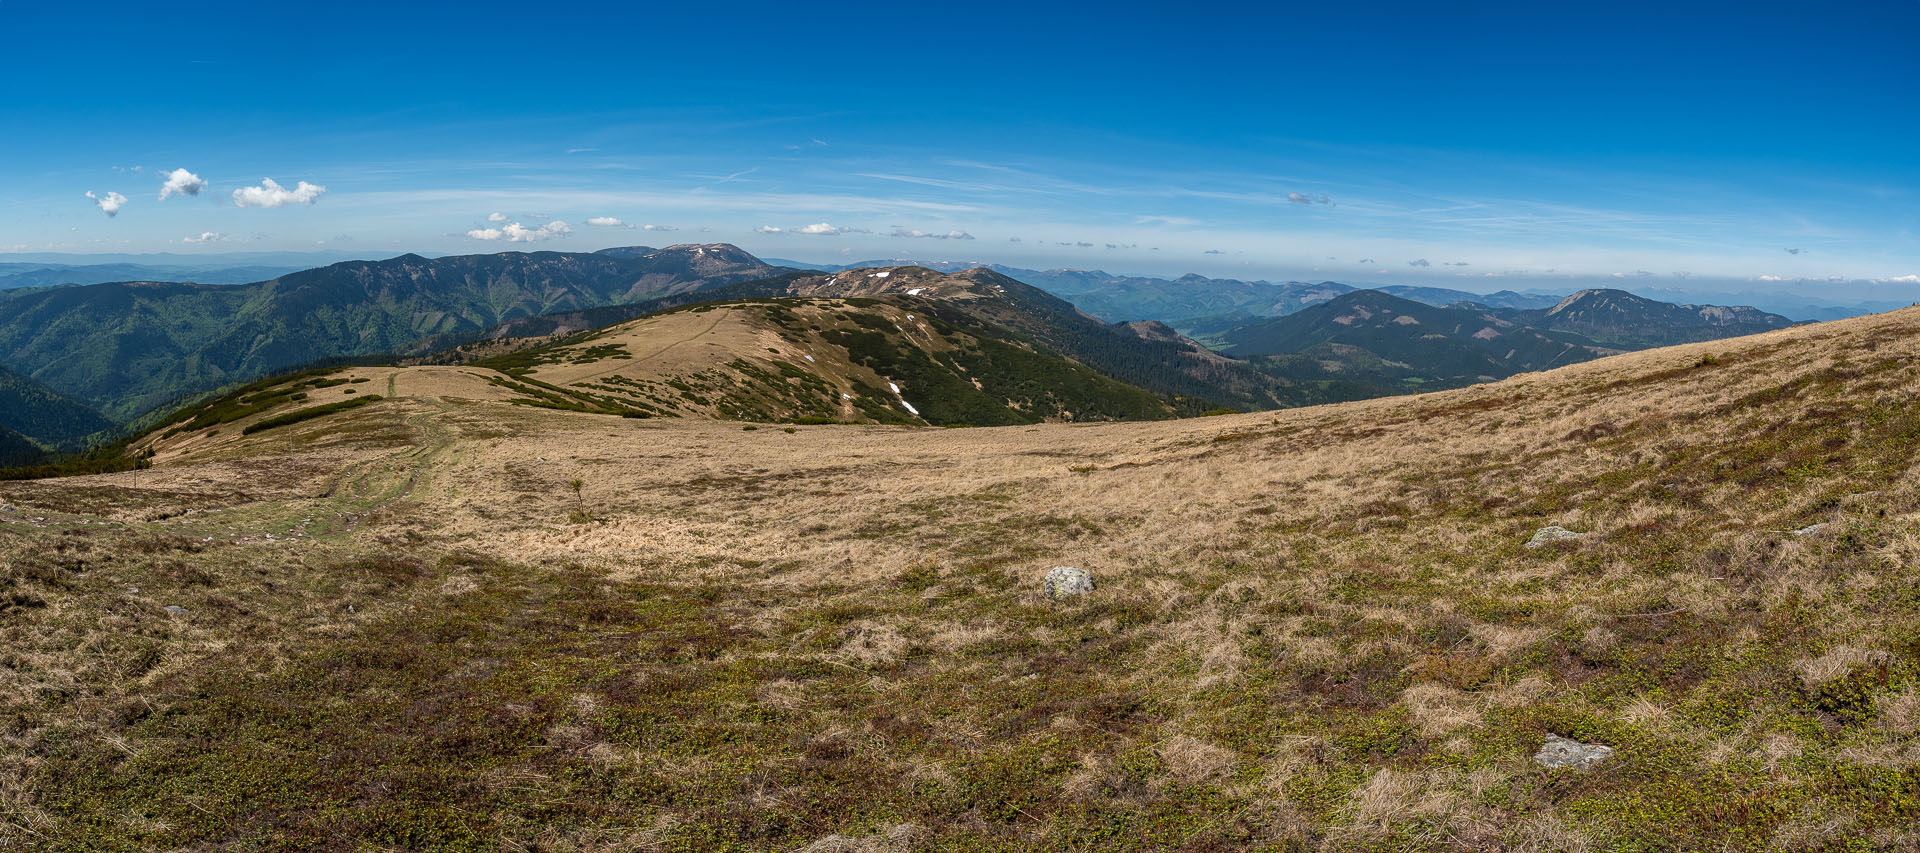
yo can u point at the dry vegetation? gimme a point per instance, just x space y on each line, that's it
1315 629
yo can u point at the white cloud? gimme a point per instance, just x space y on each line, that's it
206 237
820 228
182 182
496 216
270 194
659 227
768 229
485 234
605 222
1903 279
1299 198
109 203
517 233
1419 262
950 235
1764 278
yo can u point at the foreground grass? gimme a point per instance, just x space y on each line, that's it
1317 631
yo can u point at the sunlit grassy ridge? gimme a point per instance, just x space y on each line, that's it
1315 629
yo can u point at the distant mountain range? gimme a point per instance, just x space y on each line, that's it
1151 356
128 348
13 275
1198 305
117 352
1378 338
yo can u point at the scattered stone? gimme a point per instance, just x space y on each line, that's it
176 610
1552 534
1067 581
1567 752
1811 529
133 590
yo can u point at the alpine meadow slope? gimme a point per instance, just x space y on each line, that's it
438 619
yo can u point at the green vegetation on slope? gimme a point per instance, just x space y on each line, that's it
47 416
129 348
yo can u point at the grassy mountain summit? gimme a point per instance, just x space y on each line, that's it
441 619
128 348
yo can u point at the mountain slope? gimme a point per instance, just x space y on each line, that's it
17 449
1317 629
1619 318
35 411
127 348
1382 337
1171 367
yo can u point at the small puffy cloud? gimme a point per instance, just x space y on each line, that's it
768 229
1013 239
916 233
1084 245
496 217
270 194
1302 198
1772 278
1454 263
1903 279
1634 274
517 233
181 182
1682 275
1795 251
514 232
206 237
659 227
1364 261
1419 262
1215 252
1123 245
605 222
110 203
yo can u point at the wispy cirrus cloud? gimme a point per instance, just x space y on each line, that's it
916 233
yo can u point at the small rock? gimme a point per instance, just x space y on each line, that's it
1567 752
1811 529
176 610
1067 581
133 590
1550 535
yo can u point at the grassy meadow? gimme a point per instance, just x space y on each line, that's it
399 625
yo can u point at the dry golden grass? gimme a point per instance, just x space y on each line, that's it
1311 629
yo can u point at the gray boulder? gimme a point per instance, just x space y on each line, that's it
176 610
1067 582
1552 534
1567 752
1811 529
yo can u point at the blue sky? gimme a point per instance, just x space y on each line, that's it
1504 145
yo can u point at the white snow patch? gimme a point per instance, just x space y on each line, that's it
896 388
807 357
846 396
916 291
910 408
881 274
